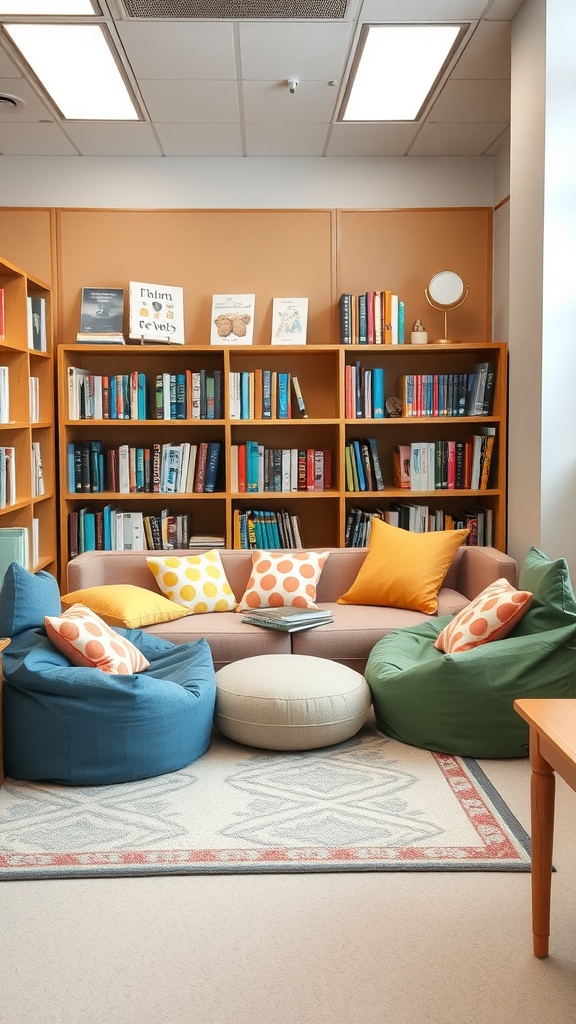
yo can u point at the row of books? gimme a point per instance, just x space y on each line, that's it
419 519
255 468
161 468
445 464
364 392
448 394
363 471
110 529
130 396
372 318
7 476
262 394
266 528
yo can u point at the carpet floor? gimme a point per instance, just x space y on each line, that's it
369 804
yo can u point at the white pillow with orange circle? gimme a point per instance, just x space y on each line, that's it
196 581
89 642
490 616
283 579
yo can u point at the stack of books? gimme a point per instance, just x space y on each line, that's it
288 619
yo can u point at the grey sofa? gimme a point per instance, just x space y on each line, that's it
348 639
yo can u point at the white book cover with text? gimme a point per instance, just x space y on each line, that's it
157 313
232 320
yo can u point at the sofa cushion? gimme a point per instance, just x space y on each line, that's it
490 616
404 569
25 599
283 578
87 640
198 582
123 604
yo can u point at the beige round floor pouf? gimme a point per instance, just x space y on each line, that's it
290 701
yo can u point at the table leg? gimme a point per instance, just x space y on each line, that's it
542 791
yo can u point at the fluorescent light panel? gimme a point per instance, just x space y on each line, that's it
75 65
46 8
397 68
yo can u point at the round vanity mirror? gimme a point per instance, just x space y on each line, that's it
446 291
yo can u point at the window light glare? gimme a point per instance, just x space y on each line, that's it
46 8
75 65
396 71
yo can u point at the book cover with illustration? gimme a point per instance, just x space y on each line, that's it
157 313
289 321
101 314
232 320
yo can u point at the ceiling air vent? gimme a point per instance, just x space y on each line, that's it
237 10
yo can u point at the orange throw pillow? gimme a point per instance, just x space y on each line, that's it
490 616
283 579
89 642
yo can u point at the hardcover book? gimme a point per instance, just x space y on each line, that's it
232 319
157 313
101 316
289 321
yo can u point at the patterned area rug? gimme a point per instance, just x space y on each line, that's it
370 804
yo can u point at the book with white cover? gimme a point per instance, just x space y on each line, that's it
232 321
289 321
157 313
13 548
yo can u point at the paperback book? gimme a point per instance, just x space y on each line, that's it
232 319
289 321
288 620
157 313
101 316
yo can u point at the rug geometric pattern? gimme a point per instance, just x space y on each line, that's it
369 804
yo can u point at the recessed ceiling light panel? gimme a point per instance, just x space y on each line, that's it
396 69
46 8
75 65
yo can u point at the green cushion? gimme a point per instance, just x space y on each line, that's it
463 703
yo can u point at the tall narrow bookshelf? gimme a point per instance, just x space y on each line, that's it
323 511
27 427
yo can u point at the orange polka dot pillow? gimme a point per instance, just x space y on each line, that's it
285 578
196 581
89 642
490 616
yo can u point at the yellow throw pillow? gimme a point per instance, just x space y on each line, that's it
88 641
285 578
490 616
198 582
404 569
126 605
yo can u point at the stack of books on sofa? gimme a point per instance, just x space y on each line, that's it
287 619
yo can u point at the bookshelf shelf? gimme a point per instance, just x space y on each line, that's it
321 370
27 427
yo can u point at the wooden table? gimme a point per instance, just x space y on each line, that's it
552 749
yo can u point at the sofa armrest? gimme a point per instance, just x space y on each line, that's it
480 566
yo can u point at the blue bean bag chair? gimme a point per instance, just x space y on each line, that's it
82 726
464 703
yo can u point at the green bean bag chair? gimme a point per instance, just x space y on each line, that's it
463 703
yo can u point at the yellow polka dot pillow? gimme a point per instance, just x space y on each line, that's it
286 578
89 642
490 616
198 582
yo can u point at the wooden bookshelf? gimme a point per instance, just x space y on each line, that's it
35 512
321 373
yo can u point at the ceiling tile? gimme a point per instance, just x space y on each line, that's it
422 10
272 103
455 139
170 101
370 139
113 138
503 10
200 139
8 69
487 55
473 101
286 139
34 140
278 51
201 50
33 108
